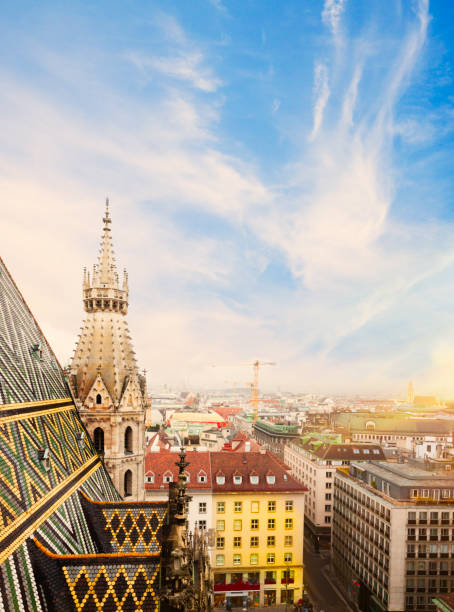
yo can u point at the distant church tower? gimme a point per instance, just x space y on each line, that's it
109 391
411 393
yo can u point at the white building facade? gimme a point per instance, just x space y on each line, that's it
314 464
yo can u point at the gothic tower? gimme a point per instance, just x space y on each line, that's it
108 389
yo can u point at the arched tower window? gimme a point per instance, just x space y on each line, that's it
99 399
128 483
98 438
128 440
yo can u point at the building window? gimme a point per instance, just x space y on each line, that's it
289 505
270 558
127 483
150 477
219 559
327 508
253 559
328 496
328 485
254 541
329 474
236 559
327 519
238 506
288 556
220 542
220 507
237 542
271 541
271 506
220 525
128 440
202 508
167 477
254 479
220 480
254 523
202 524
99 399
237 525
288 540
255 506
289 523
202 477
98 438
237 479
271 523
271 479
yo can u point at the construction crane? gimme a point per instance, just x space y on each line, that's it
256 365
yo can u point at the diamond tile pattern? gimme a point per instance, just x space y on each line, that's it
135 529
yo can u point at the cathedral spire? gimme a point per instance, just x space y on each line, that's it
106 270
109 391
103 291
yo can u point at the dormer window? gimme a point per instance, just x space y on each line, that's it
186 477
237 479
149 477
43 456
202 477
254 478
168 477
220 478
270 479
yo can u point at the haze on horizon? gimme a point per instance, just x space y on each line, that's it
280 178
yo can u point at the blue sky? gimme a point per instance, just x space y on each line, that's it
280 175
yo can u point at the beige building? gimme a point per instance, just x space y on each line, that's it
108 389
313 461
393 535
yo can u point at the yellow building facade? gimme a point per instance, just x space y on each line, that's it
258 546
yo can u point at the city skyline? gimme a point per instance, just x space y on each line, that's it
277 193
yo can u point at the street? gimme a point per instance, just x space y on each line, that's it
316 574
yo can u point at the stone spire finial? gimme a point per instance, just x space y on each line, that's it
106 218
182 464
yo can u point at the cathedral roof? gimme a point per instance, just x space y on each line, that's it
29 370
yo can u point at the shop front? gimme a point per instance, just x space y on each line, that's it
237 590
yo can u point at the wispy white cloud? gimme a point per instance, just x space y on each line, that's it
188 67
331 14
276 105
219 5
321 94
348 106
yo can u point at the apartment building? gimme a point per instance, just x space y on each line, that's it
313 461
253 511
393 535
259 518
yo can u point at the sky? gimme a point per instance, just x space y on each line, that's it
280 177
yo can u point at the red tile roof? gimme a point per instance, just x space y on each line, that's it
160 463
259 464
221 463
